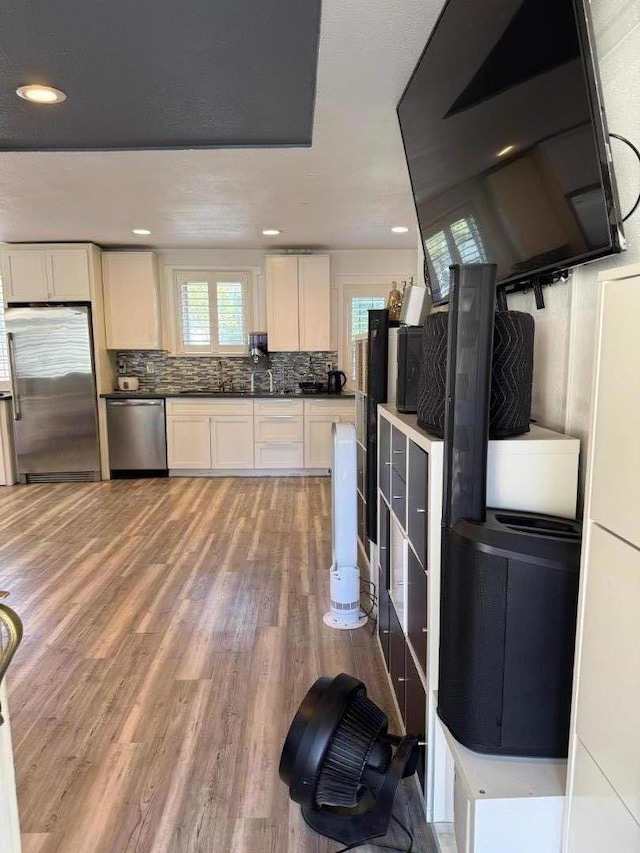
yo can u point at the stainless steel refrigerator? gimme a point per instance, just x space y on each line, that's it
54 393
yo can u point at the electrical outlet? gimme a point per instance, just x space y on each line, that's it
151 368
122 365
328 365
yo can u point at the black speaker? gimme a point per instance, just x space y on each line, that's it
377 371
508 616
511 374
409 365
509 582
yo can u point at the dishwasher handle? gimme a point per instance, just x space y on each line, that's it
135 402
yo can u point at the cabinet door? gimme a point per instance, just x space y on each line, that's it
282 303
27 276
314 303
415 720
132 314
398 570
69 272
417 515
384 544
383 615
397 650
318 448
384 459
232 441
189 442
417 608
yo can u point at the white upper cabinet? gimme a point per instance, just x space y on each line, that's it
298 302
131 300
36 274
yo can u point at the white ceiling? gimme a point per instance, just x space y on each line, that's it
346 191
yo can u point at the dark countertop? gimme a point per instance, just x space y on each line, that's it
215 395
5 395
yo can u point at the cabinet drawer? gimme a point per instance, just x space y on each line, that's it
384 459
417 505
278 428
417 608
384 544
209 407
397 651
415 710
398 571
344 409
399 452
279 455
292 408
399 497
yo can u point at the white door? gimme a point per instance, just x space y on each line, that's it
318 447
27 276
314 295
232 441
282 303
131 300
69 273
189 442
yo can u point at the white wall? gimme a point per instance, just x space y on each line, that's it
565 329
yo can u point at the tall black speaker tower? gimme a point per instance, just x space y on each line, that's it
509 579
377 358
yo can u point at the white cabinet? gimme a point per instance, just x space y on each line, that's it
206 435
38 274
131 300
279 434
603 810
189 441
319 417
298 302
9 820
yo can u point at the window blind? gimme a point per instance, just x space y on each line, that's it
360 307
213 312
232 314
195 314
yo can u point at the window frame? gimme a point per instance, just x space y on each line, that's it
374 287
212 276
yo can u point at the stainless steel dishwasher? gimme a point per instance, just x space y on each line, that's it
137 438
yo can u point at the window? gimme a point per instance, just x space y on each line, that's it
5 374
359 301
213 312
458 243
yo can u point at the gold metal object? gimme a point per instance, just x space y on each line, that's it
10 637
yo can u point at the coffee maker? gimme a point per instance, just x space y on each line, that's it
336 380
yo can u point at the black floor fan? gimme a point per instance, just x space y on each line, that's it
509 579
340 763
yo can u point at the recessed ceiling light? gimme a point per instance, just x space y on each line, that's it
505 150
399 229
38 94
271 232
142 231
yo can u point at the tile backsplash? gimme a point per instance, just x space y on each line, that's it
169 373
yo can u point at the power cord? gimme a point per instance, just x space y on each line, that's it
637 153
408 849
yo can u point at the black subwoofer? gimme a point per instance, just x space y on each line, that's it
511 374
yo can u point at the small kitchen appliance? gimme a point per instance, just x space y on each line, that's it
258 348
336 380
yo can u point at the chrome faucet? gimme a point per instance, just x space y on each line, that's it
253 379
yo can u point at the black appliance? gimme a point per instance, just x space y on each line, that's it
259 347
377 358
511 374
336 380
409 363
506 142
509 579
340 763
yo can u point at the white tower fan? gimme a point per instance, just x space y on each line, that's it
345 610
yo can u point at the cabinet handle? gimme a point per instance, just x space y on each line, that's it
387 463
398 451
402 679
386 632
421 511
399 583
422 743
383 547
398 497
425 631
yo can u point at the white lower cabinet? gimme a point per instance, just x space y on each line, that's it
319 417
273 434
189 442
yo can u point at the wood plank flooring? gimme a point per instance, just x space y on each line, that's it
171 629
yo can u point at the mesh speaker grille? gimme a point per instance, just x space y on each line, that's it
345 760
511 374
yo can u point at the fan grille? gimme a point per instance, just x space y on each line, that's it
346 757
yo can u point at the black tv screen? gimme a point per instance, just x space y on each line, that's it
506 142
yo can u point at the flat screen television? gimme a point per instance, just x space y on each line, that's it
506 142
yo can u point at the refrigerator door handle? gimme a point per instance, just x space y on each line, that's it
17 411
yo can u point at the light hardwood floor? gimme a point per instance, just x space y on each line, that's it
171 629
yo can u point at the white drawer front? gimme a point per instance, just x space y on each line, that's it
293 408
279 455
340 408
279 428
207 406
